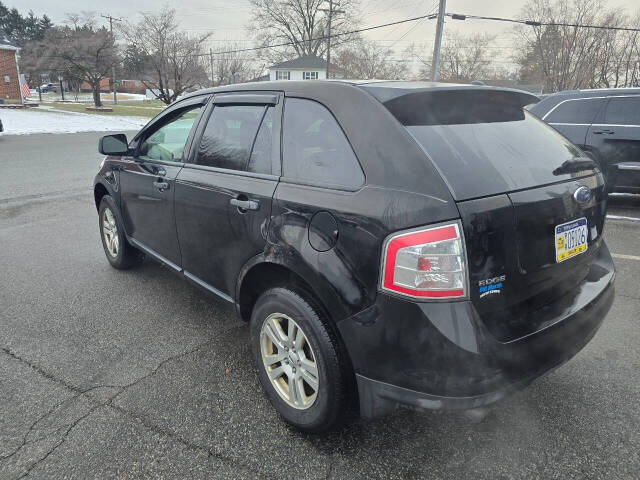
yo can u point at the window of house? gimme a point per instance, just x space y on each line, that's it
283 75
315 149
230 137
583 110
310 75
167 142
623 111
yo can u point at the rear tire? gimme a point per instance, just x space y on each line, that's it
310 359
119 252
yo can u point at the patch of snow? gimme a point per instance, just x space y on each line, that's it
29 121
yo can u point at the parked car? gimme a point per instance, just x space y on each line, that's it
49 87
606 125
1 127
396 243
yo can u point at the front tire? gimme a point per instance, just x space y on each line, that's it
299 361
119 252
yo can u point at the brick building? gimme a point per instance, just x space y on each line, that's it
9 74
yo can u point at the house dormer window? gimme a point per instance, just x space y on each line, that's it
310 75
283 75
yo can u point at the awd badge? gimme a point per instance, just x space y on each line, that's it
491 286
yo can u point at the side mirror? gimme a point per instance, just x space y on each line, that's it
113 144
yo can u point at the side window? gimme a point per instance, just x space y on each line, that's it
229 136
582 110
315 149
260 160
167 142
623 111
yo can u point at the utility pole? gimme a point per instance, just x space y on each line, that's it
113 67
435 63
330 12
211 67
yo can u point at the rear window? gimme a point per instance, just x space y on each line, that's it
484 142
623 111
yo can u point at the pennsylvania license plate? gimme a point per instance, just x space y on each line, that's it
571 239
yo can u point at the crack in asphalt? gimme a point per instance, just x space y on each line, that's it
60 442
109 403
79 393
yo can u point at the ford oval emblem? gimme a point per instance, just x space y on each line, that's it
582 195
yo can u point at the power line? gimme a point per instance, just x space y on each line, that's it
413 27
535 23
324 37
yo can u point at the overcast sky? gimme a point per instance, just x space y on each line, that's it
228 18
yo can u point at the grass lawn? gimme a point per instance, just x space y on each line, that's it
125 109
137 103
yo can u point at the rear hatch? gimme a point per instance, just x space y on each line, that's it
530 237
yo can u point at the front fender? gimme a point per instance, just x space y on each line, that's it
108 179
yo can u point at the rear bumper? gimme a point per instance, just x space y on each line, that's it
440 355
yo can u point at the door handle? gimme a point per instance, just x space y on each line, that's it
245 205
603 132
161 186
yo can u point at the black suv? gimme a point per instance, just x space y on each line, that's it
606 125
397 243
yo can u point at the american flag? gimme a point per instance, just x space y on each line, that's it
24 86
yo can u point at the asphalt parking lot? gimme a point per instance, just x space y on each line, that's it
138 374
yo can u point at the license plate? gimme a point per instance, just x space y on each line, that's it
571 239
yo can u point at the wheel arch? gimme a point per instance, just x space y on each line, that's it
99 191
260 274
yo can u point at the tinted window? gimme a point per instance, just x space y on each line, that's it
576 111
260 160
623 111
485 144
315 150
167 142
229 135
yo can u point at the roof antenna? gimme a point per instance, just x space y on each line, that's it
477 82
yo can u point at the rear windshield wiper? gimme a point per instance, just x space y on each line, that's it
575 165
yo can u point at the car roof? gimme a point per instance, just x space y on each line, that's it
550 101
382 89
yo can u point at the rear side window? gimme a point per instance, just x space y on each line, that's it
483 142
315 149
623 111
582 110
229 137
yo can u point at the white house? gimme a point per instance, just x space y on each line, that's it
308 67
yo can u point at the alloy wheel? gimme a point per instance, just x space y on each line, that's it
289 361
110 232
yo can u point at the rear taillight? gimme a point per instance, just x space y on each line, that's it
426 263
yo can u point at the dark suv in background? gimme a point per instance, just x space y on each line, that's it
431 245
605 124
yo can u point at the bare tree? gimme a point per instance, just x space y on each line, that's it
616 61
79 52
168 61
367 60
464 58
303 23
226 68
566 57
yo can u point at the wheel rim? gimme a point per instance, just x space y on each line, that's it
289 360
110 232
